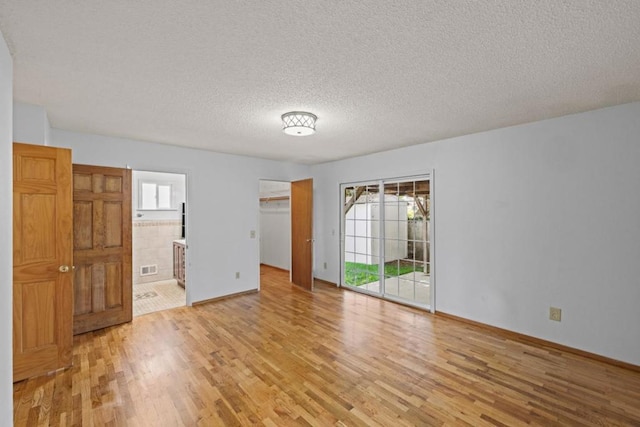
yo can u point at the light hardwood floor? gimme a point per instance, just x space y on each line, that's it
288 357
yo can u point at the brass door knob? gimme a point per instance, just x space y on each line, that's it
63 269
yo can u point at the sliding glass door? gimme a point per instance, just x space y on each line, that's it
361 240
386 243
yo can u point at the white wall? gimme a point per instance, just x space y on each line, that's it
31 124
219 242
527 217
6 229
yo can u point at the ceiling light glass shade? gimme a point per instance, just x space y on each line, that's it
299 123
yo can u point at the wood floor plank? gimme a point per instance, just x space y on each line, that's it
286 357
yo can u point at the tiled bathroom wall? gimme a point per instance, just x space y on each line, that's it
153 244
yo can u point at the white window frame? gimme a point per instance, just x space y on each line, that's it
157 185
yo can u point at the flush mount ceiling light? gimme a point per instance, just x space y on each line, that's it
299 123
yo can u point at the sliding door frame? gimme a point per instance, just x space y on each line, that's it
429 176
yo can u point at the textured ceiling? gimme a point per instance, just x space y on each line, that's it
217 75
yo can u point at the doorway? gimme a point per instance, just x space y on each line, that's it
386 243
297 221
275 224
159 241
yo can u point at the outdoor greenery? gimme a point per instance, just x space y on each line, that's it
357 274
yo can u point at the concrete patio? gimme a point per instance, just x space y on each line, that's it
413 287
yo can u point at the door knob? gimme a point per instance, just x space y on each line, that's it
63 268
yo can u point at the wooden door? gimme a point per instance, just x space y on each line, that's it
302 233
42 260
101 247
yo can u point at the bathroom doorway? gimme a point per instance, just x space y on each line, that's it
159 241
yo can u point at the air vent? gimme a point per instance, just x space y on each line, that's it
148 270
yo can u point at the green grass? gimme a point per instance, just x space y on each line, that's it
357 274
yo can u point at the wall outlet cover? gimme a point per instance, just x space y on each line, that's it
555 314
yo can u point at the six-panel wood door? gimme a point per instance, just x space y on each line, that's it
101 247
42 260
302 233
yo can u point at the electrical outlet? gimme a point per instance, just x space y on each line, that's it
252 234
237 274
555 314
325 265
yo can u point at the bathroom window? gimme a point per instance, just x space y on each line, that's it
154 196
